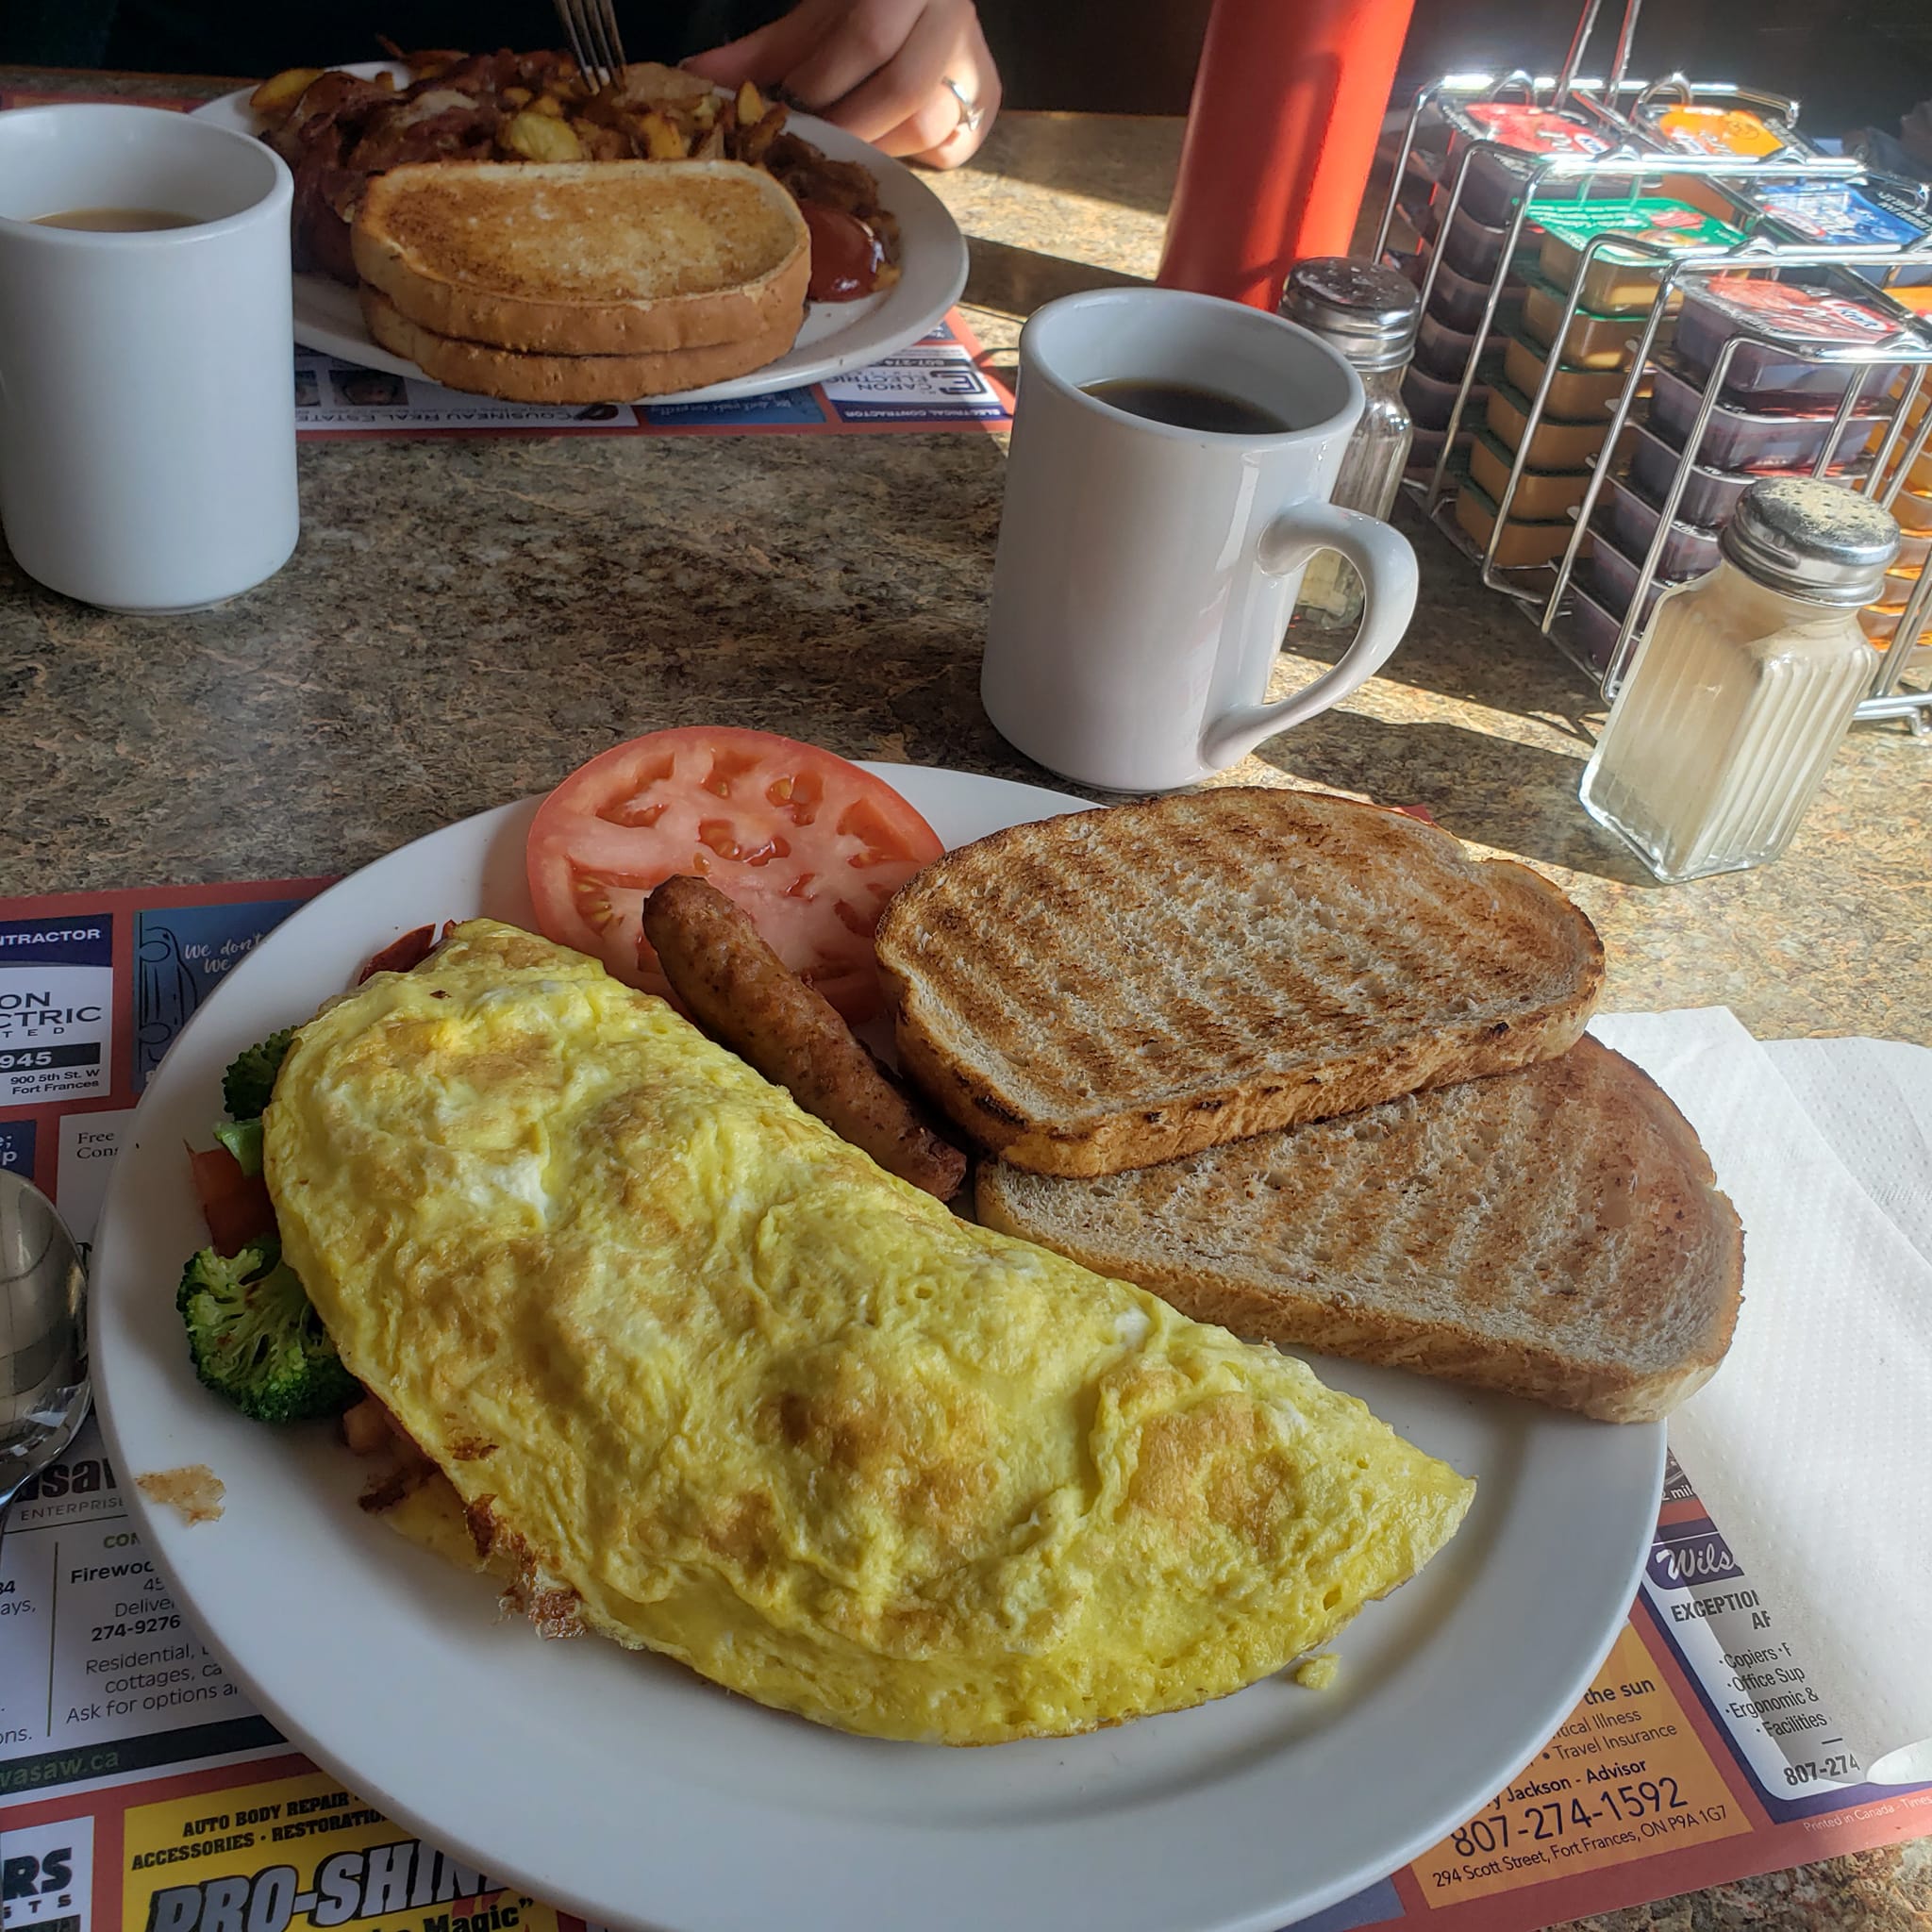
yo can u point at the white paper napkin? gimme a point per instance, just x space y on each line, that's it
1812 1444
1871 1099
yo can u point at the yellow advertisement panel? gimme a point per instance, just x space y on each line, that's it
301 1853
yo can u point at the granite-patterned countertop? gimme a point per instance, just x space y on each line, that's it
463 621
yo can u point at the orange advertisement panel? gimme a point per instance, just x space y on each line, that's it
1626 1775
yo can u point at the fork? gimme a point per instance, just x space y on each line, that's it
590 27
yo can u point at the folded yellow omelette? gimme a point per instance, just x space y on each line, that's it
713 1384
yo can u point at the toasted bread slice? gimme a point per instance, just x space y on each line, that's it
1116 988
1555 1233
587 257
515 376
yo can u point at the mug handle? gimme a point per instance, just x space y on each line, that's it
1388 579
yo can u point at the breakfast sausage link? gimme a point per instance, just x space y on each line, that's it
742 994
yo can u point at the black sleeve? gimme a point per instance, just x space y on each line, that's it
247 38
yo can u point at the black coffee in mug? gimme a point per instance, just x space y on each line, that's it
1189 406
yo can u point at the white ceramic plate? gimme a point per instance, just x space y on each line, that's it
837 336
624 1788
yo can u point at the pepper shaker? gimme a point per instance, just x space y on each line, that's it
1368 315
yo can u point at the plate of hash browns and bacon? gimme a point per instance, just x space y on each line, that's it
700 280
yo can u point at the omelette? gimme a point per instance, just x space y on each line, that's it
708 1381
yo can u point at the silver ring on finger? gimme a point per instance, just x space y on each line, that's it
971 113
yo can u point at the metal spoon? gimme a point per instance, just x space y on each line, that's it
44 1384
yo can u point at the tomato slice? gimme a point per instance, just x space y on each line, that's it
236 1206
810 847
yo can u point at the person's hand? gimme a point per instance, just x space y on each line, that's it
878 68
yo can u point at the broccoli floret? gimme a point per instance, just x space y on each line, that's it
257 1340
250 1081
242 1139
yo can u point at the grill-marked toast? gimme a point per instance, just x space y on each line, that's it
1555 1232
1117 988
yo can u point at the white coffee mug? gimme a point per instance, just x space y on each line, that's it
147 416
1146 572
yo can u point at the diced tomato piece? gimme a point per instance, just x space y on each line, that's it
235 1204
401 956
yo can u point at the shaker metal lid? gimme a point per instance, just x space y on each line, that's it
1811 539
1368 312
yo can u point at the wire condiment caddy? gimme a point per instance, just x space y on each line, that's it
1619 148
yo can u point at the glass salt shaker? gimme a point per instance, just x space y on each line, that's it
1745 685
1368 316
